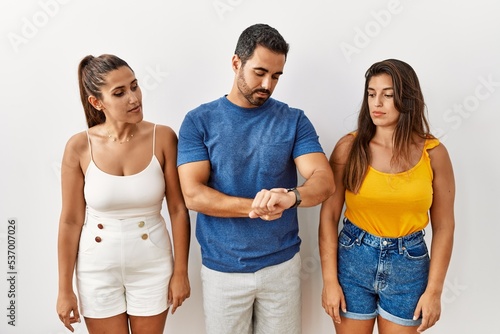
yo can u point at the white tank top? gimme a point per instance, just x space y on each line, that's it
120 197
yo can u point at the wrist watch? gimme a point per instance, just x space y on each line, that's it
298 200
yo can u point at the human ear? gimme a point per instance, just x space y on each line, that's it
235 63
95 102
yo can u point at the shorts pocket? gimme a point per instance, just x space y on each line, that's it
87 241
417 252
159 237
346 240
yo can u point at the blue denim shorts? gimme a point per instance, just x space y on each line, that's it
382 276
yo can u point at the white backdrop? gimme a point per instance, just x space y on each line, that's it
181 51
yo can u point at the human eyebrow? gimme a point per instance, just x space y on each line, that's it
261 69
369 89
384 89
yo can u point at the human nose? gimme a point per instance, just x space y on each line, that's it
266 83
134 96
378 101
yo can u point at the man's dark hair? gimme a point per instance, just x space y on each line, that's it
260 34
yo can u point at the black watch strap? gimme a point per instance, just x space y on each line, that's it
298 200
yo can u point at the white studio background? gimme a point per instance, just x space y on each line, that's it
181 51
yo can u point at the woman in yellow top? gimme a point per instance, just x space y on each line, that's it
391 174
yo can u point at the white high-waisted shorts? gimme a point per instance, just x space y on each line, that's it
123 265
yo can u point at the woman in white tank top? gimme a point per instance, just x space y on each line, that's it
115 177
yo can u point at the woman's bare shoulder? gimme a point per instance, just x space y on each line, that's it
77 142
76 147
165 132
344 144
342 149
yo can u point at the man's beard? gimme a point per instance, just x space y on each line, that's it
248 94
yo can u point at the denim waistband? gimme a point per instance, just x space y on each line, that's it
381 242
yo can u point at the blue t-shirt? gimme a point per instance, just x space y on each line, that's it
249 149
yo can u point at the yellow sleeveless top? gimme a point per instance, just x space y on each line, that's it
394 205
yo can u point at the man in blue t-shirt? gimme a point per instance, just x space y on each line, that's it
238 160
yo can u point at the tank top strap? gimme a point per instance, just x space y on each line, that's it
154 138
90 146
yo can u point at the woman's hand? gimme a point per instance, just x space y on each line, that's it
67 309
429 306
333 300
179 290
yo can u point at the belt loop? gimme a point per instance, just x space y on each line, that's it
400 245
359 239
423 232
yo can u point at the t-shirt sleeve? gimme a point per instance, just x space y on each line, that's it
191 146
307 140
